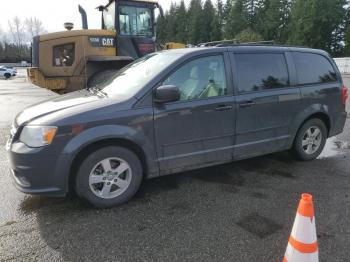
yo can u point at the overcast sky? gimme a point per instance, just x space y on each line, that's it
54 13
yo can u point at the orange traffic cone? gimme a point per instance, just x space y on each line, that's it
302 245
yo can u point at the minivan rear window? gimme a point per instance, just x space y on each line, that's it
258 72
313 69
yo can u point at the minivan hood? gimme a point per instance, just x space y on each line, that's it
49 106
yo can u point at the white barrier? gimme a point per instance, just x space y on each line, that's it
13 64
343 64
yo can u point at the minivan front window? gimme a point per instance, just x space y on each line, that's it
200 78
129 80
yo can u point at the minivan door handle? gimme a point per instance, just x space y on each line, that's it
223 107
246 104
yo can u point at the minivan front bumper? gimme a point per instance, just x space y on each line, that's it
34 171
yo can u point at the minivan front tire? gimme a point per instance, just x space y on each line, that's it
108 177
310 140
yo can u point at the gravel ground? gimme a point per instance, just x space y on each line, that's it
242 211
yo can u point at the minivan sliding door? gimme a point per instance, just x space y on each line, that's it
266 102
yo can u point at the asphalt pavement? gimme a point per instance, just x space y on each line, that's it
243 211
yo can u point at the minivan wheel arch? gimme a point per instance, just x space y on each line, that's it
319 115
88 149
322 116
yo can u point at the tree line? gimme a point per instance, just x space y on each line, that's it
15 42
320 24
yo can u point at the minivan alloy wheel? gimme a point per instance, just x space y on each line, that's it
110 177
311 140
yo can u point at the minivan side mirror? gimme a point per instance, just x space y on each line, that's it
166 93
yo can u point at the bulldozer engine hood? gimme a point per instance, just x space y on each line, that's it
63 54
73 33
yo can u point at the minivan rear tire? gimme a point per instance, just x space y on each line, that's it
310 126
93 193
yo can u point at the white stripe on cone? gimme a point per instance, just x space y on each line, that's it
304 229
293 255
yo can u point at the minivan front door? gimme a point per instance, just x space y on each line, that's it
199 128
266 103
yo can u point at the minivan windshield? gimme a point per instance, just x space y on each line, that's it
129 80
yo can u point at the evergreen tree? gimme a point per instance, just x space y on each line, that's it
208 17
347 41
252 9
237 20
161 29
336 47
314 23
216 33
318 23
195 26
227 9
220 12
273 20
172 26
218 22
181 23
1 52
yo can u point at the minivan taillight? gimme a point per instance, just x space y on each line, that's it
344 95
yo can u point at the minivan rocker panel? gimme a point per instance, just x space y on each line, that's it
195 108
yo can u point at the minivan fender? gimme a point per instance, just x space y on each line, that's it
317 110
102 133
97 133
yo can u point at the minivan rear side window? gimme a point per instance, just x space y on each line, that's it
258 72
313 68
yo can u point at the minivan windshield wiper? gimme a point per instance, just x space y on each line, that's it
98 91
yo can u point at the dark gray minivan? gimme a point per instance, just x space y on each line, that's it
173 111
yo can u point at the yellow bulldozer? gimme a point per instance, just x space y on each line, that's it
71 60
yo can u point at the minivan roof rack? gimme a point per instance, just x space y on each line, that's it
249 43
233 42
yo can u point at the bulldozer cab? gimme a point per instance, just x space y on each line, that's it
133 21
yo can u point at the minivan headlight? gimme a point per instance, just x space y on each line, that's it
37 136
